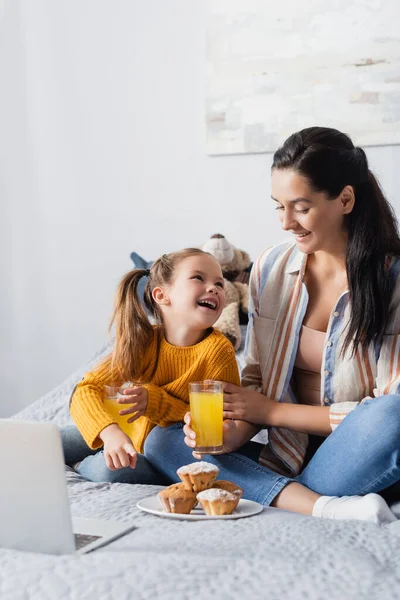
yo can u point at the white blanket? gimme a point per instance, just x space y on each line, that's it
273 555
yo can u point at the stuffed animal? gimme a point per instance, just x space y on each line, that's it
233 263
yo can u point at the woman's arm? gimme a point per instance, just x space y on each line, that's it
252 406
300 417
237 433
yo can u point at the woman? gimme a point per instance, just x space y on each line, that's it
322 351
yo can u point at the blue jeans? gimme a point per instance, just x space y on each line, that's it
361 456
93 465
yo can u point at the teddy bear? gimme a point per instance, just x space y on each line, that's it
234 263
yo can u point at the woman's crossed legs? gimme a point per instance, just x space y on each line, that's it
362 456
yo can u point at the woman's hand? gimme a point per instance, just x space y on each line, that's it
232 439
137 397
246 404
119 451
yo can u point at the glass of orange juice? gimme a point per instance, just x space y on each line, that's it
110 401
206 409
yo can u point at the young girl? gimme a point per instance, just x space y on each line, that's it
185 294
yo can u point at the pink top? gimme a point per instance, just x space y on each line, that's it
307 366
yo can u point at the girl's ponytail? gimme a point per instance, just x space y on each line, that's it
133 330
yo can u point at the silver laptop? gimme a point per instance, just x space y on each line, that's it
34 508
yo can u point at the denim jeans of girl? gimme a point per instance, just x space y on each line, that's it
92 464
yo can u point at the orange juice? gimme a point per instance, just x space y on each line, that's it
113 408
206 412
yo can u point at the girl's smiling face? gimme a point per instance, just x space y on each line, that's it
316 221
196 296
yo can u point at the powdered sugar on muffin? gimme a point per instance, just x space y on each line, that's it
216 501
215 494
233 488
198 476
197 467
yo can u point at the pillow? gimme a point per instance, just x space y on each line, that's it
140 263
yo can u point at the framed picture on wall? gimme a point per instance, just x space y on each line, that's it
276 67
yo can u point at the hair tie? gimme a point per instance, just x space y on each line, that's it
146 272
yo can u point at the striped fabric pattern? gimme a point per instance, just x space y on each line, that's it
278 303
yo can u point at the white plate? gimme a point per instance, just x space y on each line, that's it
245 508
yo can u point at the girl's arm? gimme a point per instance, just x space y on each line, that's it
165 409
162 408
87 408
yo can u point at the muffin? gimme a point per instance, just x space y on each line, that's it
215 501
198 476
234 489
177 499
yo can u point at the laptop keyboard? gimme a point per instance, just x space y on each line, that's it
82 539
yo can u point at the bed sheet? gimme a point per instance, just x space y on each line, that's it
273 555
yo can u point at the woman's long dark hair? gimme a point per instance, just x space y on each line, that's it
329 161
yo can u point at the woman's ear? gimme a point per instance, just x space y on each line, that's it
160 296
347 198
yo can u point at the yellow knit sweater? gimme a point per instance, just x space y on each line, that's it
168 390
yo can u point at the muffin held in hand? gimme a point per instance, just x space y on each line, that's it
198 476
234 489
177 499
217 502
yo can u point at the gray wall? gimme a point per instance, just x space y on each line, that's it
102 151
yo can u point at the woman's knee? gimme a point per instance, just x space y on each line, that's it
384 409
382 417
152 442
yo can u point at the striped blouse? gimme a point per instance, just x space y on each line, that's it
278 303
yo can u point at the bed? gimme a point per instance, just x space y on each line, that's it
275 554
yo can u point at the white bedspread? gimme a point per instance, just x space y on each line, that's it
273 555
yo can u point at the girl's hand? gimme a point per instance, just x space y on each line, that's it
137 397
232 440
247 405
119 451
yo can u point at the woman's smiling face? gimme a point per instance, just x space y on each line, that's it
316 222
